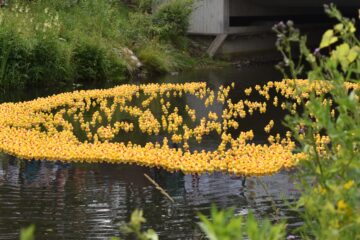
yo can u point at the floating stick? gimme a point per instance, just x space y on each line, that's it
157 186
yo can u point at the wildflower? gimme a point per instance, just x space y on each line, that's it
349 184
342 206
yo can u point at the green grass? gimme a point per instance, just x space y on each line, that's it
51 42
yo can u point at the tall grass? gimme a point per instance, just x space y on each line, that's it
49 42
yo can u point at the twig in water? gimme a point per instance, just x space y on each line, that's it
157 186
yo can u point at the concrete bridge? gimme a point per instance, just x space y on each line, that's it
221 18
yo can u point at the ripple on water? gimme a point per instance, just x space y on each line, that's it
81 200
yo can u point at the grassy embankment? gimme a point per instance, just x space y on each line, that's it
47 43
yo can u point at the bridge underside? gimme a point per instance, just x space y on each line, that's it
220 18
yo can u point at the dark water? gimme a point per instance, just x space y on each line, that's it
83 201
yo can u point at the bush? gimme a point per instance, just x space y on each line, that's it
116 67
162 58
225 225
145 6
32 63
156 58
329 204
14 60
171 19
48 64
137 30
92 63
51 43
89 62
46 47
222 225
33 55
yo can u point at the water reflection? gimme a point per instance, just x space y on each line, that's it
88 201
83 201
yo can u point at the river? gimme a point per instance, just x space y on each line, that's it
89 201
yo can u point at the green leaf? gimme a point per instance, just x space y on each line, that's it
343 50
27 233
151 235
310 58
352 27
340 54
338 27
208 230
328 38
137 217
353 53
223 225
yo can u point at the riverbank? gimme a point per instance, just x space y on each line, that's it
52 43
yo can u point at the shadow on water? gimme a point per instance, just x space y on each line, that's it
78 201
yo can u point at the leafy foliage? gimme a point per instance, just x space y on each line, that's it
172 18
145 5
330 197
157 58
89 62
14 55
133 227
225 225
27 233
337 57
48 62
52 35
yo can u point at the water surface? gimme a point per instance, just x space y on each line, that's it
88 201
